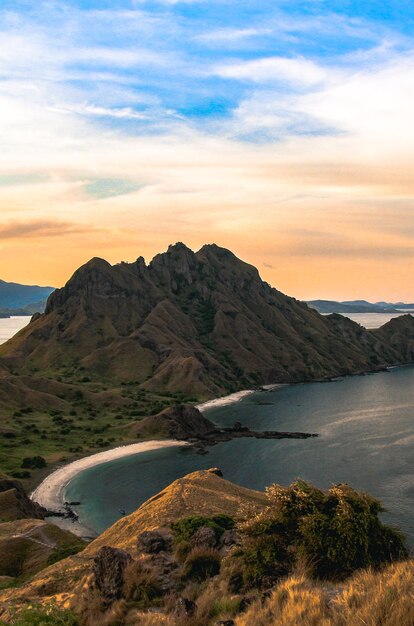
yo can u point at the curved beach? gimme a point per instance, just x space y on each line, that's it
50 492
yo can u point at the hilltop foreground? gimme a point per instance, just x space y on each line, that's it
205 551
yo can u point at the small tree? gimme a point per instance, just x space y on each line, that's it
335 532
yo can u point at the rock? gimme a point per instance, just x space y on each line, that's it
245 602
109 569
153 542
204 536
230 538
235 583
215 470
184 608
226 622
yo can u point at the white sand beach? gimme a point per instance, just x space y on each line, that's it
50 493
235 397
230 399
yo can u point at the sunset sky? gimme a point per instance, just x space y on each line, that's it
281 130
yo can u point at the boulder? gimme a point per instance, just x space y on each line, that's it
109 569
204 536
153 542
184 608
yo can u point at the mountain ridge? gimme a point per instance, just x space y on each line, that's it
203 323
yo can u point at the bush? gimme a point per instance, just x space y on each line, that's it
64 551
33 462
201 564
19 474
185 528
335 532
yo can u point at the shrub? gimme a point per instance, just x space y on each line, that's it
64 551
20 474
182 550
33 462
201 563
185 528
335 532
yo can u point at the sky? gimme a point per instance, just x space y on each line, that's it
281 130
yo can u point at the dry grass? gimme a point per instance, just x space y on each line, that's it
367 599
381 599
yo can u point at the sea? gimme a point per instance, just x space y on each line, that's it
9 326
366 439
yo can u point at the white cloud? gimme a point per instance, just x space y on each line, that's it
299 71
232 34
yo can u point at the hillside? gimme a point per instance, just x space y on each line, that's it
141 570
202 324
16 296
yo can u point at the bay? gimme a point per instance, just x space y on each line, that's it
366 439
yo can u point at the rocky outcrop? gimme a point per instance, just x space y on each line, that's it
153 542
108 570
14 503
180 421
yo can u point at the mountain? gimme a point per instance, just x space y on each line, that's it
16 296
355 306
199 323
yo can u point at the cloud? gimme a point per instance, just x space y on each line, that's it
17 230
232 34
266 70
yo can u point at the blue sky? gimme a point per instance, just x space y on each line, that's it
129 124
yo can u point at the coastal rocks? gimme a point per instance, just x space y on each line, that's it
109 570
186 422
215 470
153 542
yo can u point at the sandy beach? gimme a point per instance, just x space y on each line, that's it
50 493
235 397
230 399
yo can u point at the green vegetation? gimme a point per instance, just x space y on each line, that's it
185 528
44 437
62 552
201 563
33 462
333 532
42 616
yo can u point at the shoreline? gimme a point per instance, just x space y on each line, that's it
51 491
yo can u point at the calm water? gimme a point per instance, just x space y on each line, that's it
366 428
372 320
9 326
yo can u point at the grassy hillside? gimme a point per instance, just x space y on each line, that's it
205 550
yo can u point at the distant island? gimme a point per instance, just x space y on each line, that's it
17 299
359 306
